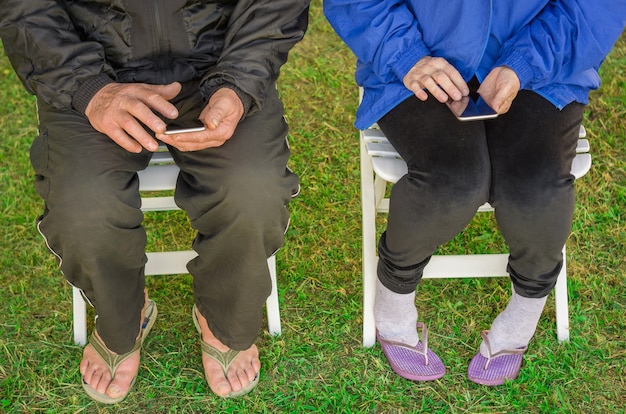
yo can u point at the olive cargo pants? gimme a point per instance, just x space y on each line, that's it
236 197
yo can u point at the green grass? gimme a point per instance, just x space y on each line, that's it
318 364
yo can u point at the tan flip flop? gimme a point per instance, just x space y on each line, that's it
225 359
113 361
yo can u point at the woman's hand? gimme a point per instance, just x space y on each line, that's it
437 76
500 88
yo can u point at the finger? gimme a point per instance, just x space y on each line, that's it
155 100
193 139
170 91
503 99
186 145
125 141
447 85
458 80
435 90
139 134
213 115
130 127
164 93
420 94
141 112
417 88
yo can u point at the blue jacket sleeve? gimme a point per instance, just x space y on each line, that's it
568 38
393 43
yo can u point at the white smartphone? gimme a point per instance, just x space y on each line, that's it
468 109
175 131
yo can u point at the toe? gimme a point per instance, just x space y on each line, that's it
217 381
237 379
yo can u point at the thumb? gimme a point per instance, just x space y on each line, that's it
213 116
214 119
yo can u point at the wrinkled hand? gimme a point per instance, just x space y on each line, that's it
437 76
118 110
220 116
500 88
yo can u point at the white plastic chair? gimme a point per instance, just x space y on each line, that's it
161 175
380 165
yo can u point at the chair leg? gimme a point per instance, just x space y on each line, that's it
271 305
369 248
560 297
80 317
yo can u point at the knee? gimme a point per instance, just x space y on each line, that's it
452 188
249 198
88 214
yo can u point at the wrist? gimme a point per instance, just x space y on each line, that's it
85 93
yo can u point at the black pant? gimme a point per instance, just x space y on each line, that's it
236 197
520 162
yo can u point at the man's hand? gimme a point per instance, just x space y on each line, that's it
220 116
437 76
500 88
119 109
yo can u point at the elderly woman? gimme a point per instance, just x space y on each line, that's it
534 62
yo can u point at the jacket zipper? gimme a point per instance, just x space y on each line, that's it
159 46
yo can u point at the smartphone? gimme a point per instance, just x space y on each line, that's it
469 109
178 130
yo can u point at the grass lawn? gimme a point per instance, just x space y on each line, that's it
318 364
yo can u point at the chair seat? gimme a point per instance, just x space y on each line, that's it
390 167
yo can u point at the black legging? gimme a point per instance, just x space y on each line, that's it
519 162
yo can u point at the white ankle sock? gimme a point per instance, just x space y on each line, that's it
515 326
395 315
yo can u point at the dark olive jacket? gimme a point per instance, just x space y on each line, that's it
64 51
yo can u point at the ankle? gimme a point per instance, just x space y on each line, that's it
395 315
515 326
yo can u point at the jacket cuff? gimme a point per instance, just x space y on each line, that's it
519 64
405 61
87 90
245 99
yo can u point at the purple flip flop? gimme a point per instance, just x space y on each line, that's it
497 368
416 363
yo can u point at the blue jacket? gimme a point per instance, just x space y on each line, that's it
554 46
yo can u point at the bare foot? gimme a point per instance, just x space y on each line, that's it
96 373
243 370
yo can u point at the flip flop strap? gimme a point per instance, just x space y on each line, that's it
222 358
485 336
111 360
424 340
148 315
423 352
